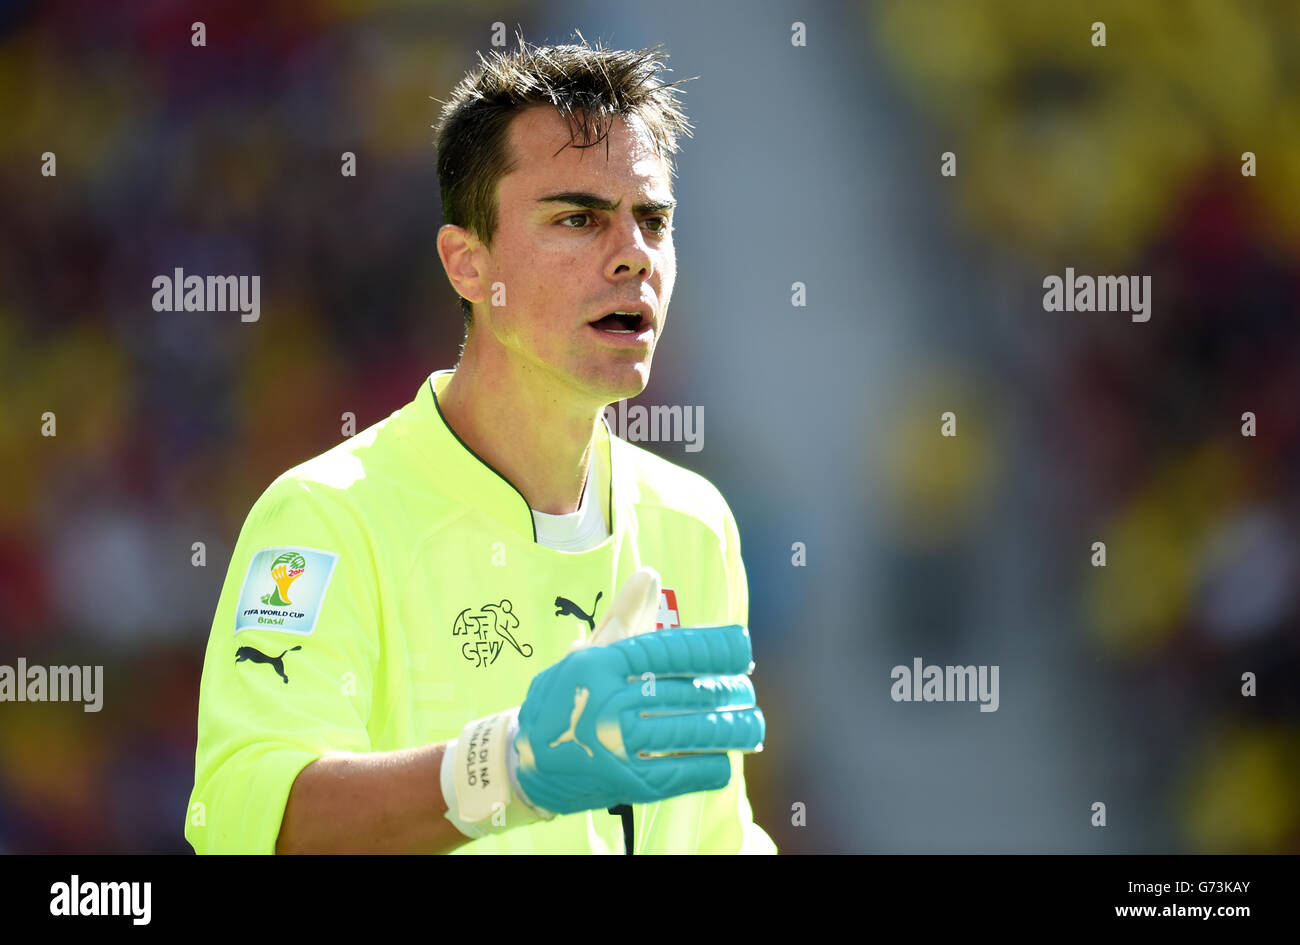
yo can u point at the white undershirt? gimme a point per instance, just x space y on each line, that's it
577 531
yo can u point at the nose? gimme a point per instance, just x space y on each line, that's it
632 256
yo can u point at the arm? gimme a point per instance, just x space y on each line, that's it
381 802
276 700
384 802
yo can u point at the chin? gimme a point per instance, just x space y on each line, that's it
623 384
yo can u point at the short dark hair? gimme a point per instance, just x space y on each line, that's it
588 86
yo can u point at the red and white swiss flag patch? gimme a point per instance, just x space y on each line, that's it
667 616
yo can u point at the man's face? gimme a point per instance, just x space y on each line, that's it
579 237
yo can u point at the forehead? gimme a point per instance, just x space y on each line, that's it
545 159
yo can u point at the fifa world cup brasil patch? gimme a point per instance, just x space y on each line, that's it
283 589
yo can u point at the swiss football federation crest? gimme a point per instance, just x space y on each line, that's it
668 615
487 631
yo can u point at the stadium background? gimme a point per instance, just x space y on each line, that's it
817 164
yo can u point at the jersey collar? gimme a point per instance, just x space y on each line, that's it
471 479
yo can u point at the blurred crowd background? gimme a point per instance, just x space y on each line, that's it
816 164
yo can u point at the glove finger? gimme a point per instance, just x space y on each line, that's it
669 777
639 781
671 695
740 730
650 599
689 651
631 610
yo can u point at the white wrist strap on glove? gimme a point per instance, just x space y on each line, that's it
478 778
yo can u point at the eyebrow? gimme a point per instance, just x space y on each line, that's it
592 202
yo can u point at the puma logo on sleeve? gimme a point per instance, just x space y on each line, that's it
254 655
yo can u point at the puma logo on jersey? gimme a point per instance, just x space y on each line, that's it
257 656
565 606
580 697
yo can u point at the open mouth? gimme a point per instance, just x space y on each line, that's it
621 323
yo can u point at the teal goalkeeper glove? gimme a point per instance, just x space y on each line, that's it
637 721
630 717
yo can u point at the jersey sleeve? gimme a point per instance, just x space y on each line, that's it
728 823
296 680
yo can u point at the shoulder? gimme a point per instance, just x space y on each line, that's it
371 478
659 484
335 477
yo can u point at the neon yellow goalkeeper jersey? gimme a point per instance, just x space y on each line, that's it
387 592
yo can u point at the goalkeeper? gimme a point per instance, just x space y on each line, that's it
486 624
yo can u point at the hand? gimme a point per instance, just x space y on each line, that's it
629 716
638 720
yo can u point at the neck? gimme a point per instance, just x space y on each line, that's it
537 434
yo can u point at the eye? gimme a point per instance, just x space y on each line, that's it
574 216
664 224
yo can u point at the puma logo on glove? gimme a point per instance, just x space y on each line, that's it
579 703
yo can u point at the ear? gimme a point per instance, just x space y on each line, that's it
464 258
